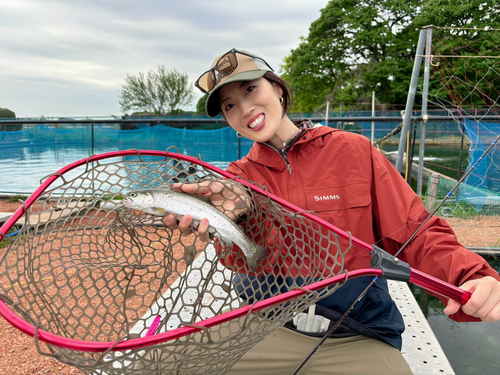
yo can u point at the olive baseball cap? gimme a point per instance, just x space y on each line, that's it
232 66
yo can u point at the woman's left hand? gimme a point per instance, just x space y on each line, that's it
484 302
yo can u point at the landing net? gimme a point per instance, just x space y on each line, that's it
85 267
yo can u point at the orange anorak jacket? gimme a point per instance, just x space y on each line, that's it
347 182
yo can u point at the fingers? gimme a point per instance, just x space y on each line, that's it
185 223
452 307
169 221
484 302
203 230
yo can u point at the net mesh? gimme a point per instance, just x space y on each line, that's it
86 267
465 81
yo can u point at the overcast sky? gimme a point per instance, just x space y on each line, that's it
65 58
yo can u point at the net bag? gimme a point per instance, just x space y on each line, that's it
109 288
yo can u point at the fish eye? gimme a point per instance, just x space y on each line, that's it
133 195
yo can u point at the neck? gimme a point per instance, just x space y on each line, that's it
286 131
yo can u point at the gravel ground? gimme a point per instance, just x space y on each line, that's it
19 356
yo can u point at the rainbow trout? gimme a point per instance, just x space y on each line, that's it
160 202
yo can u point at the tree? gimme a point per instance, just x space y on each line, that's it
354 48
6 113
200 106
467 28
159 92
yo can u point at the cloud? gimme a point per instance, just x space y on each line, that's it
57 57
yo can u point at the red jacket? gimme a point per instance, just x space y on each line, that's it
347 182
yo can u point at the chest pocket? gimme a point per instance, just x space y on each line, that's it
338 197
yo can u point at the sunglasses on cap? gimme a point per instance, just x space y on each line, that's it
226 65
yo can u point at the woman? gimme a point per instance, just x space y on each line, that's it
348 183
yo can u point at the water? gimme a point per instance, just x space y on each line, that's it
443 159
472 348
22 168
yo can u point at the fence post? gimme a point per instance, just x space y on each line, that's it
373 115
425 96
410 99
432 191
327 110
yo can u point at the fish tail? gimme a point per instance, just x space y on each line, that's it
259 254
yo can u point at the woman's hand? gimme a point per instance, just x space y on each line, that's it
484 302
226 195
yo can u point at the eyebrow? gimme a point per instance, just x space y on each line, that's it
243 83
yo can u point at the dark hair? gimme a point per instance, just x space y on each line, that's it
287 90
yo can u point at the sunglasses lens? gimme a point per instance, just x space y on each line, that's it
227 64
207 81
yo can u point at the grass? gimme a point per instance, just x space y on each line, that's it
16 198
7 240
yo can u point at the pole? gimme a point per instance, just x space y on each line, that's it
340 115
326 114
462 131
411 98
373 115
425 97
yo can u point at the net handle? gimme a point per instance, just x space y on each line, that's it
137 343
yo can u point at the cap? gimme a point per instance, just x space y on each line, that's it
248 68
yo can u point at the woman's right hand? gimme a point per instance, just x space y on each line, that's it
226 195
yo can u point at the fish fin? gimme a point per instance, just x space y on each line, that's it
211 233
189 254
166 186
158 211
195 224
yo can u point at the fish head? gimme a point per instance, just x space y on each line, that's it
139 200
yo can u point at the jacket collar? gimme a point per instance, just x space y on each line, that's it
270 157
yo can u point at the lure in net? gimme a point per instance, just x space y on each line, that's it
112 290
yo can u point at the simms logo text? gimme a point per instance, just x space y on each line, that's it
325 197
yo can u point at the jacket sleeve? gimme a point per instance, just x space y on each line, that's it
398 212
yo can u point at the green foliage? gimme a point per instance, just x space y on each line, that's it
460 13
16 198
159 92
200 106
6 113
5 242
355 48
464 82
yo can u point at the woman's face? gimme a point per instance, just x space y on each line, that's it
252 108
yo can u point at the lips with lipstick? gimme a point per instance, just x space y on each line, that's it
257 122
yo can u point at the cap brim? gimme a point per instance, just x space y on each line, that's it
212 106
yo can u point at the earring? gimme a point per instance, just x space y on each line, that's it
281 100
239 135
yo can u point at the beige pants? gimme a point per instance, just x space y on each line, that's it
283 350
